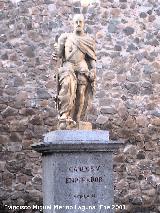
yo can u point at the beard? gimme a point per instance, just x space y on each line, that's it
79 29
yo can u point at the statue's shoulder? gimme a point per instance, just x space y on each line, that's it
70 35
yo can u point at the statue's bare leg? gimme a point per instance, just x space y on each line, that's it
81 95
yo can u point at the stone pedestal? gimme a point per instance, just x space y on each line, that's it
77 171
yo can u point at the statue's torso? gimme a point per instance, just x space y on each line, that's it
72 53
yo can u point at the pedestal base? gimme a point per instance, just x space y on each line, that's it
77 171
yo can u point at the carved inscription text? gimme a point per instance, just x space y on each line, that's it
84 179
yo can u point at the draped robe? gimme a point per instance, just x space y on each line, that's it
68 76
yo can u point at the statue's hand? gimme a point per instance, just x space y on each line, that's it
56 47
54 56
92 74
55 53
62 38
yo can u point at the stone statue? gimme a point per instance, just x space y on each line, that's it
76 76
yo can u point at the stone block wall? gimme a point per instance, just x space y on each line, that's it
126 102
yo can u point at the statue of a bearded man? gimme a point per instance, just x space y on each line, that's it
76 76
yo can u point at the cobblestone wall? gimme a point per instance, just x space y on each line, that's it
126 103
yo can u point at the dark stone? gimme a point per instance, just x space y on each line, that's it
158 11
29 52
76 3
148 69
91 10
154 54
49 2
143 15
150 180
17 81
146 84
84 10
112 27
4 56
124 21
141 155
15 137
131 47
124 98
151 18
114 54
76 10
2 15
137 40
146 91
132 88
121 70
51 25
128 31
107 110
153 42
36 120
147 88
149 12
8 45
122 0
37 179
3 208
123 6
15 166
27 111
117 48
29 26
133 78
45 27
9 111
27 171
136 200
89 30
37 61
28 134
43 94
149 36
51 122
140 177
139 57
23 9
38 131
11 91
3 38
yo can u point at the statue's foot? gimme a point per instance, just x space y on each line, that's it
71 123
62 124
67 123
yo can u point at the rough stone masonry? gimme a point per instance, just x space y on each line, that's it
126 102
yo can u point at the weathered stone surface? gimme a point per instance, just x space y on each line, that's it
42 93
2 166
4 139
9 111
107 110
69 175
127 43
129 31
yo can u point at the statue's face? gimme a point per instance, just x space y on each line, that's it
78 22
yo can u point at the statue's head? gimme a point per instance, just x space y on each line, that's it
78 23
